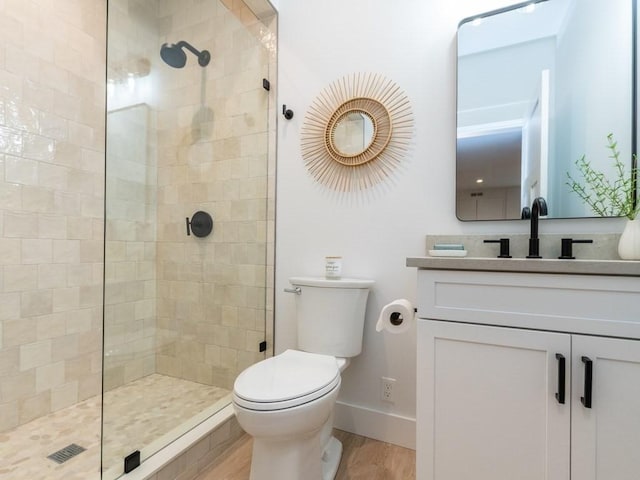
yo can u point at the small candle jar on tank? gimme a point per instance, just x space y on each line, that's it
333 267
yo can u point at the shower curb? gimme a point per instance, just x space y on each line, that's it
193 452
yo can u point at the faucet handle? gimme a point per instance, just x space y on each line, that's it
504 247
566 252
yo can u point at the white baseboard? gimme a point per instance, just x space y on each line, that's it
370 423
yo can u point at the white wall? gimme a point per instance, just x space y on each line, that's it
413 43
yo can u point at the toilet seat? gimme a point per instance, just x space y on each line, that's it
287 380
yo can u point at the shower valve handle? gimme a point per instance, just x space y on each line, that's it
201 224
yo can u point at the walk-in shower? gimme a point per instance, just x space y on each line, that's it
174 55
118 331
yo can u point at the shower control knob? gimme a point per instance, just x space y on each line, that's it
201 224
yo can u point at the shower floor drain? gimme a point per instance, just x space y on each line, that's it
66 453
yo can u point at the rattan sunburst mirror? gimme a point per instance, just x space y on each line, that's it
356 132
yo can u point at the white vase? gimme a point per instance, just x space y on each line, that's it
629 244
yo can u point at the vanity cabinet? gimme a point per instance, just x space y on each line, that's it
504 361
605 439
486 406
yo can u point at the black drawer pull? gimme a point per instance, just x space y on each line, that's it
561 377
588 382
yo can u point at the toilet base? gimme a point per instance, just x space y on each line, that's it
294 458
331 459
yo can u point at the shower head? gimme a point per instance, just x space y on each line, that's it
174 56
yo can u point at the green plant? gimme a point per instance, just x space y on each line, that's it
607 198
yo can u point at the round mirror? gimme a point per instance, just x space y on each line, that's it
353 133
356 132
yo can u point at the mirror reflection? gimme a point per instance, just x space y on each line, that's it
540 85
353 133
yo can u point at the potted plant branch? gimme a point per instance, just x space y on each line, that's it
612 198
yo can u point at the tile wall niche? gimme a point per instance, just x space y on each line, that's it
52 70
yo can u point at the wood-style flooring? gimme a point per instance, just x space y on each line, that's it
362 459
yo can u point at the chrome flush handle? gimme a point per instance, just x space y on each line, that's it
297 290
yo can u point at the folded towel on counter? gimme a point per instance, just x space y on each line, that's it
448 246
447 253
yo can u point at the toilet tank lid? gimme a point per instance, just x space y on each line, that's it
331 283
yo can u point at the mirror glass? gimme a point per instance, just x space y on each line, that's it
539 86
353 133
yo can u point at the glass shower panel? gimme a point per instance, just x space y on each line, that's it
183 314
130 273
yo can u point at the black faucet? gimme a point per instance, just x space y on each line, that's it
538 208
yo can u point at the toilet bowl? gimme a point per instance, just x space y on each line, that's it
286 402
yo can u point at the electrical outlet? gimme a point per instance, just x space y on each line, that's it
387 386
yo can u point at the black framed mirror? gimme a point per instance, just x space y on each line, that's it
540 84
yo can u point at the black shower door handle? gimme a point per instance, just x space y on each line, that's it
562 365
588 382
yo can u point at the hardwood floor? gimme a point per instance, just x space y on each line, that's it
232 464
362 459
367 459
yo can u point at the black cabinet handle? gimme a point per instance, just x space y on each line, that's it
588 382
561 377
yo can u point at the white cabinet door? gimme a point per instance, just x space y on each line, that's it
606 437
486 403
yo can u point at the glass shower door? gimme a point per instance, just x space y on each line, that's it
184 314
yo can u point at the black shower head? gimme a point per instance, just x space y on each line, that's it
174 56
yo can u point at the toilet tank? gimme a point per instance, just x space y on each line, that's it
330 314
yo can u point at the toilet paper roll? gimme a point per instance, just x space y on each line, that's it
396 317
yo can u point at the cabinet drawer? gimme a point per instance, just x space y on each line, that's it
597 305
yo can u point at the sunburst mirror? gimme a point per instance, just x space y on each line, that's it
356 132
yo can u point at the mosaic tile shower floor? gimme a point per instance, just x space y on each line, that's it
136 414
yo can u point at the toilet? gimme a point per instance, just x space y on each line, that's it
286 402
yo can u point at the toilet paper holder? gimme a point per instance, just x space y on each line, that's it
396 318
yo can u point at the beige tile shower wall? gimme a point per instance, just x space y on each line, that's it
52 64
213 150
